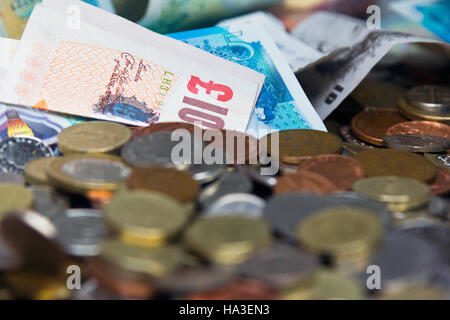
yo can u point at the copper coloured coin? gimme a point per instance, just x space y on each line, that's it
305 181
342 171
371 126
174 183
428 128
440 185
164 127
239 289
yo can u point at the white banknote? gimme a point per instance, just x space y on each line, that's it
7 48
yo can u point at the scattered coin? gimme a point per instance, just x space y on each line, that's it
174 183
80 231
227 239
14 198
16 152
399 194
237 203
93 137
348 135
429 128
434 99
387 162
417 143
36 171
205 173
341 171
279 266
441 183
82 173
304 181
145 218
297 145
255 174
371 126
353 148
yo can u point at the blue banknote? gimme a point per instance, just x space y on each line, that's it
282 103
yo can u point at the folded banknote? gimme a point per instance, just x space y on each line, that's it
89 71
282 104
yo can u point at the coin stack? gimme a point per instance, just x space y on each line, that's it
110 202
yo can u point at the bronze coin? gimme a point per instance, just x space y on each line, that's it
342 171
388 162
239 289
164 127
428 128
300 144
304 181
371 126
440 185
176 184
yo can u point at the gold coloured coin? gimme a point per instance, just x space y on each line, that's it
399 194
93 137
14 198
340 231
156 262
387 162
297 145
227 239
36 171
414 113
83 173
145 218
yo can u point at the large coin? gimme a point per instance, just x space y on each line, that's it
80 231
341 171
237 203
428 128
93 137
417 143
387 162
297 145
82 173
16 152
371 126
227 239
400 194
145 218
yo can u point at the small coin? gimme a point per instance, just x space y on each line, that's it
12 177
341 171
279 266
80 231
239 289
33 238
145 218
399 194
16 152
227 239
387 162
297 145
405 260
417 143
430 98
340 231
348 135
36 171
82 173
441 183
429 128
237 203
14 198
93 137
304 181
166 127
371 126
174 183
442 160
229 182
48 202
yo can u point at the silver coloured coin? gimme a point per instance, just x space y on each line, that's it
348 135
229 182
16 152
280 266
80 231
417 143
237 203
204 173
255 175
434 99
12 177
444 159
195 280
404 260
439 207
48 202
96 170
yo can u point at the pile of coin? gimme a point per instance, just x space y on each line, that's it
111 201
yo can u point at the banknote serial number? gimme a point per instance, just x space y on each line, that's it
227 309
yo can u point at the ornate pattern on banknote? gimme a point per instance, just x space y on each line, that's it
130 88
